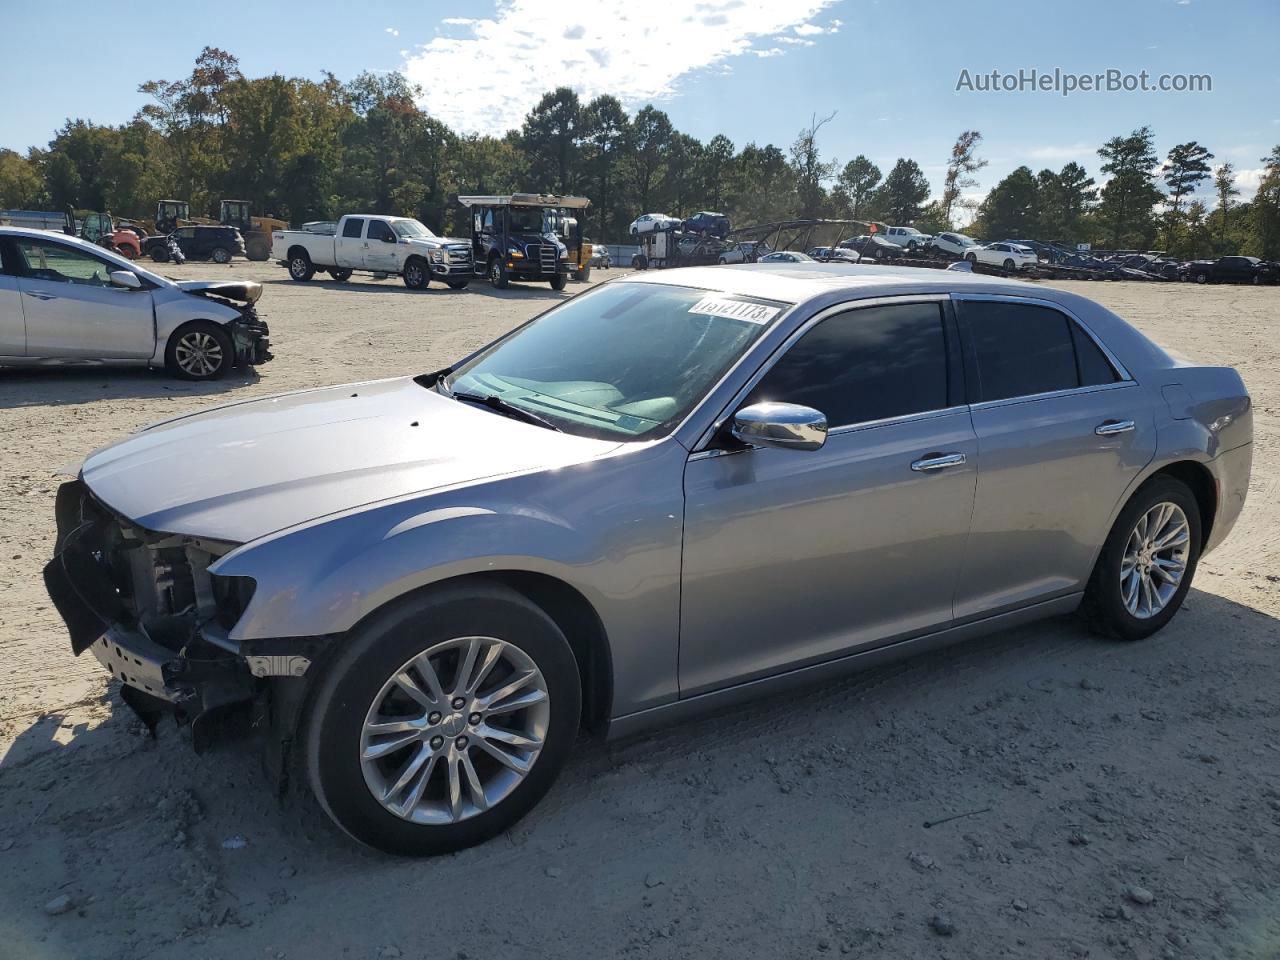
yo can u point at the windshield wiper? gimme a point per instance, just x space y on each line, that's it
498 405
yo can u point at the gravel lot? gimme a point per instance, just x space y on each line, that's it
1125 800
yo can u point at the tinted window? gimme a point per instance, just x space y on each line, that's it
380 231
352 227
865 365
1093 364
1021 349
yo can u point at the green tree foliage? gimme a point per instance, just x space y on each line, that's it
1185 169
904 191
961 167
1012 210
1224 184
811 170
21 185
855 186
1130 194
1264 212
551 140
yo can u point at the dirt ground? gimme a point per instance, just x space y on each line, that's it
1119 800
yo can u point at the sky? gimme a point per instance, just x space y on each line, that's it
754 70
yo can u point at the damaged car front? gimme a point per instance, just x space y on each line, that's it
250 336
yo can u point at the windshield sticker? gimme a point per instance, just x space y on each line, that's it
735 309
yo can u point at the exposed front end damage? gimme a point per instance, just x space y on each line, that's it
147 607
249 332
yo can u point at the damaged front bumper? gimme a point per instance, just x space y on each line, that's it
146 606
252 339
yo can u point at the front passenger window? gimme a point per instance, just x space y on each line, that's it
59 264
867 364
380 231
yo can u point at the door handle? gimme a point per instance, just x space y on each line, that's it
938 462
1109 428
41 295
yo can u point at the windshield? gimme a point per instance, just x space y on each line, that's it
411 228
626 361
530 220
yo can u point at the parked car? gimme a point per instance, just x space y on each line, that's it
827 254
748 251
786 256
708 223
215 243
370 243
1011 256
1230 270
652 221
600 256
872 246
909 238
65 300
956 244
434 582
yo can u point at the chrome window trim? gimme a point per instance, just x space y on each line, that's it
700 449
1052 395
1120 368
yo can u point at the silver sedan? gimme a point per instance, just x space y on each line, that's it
669 493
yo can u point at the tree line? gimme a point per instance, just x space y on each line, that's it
305 150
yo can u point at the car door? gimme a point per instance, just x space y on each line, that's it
381 252
794 557
349 245
73 310
189 243
1062 432
13 325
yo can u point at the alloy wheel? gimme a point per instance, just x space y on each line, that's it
198 353
455 730
1155 560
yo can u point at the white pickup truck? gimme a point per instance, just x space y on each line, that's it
375 244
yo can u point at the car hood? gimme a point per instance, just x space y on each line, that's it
242 291
239 472
436 241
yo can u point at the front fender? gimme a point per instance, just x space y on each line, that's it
610 528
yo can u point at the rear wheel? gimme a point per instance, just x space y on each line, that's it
300 267
1009 265
220 255
417 275
200 351
1202 278
1147 563
584 274
443 721
971 257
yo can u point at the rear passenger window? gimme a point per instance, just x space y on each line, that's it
867 364
352 228
1022 349
1093 364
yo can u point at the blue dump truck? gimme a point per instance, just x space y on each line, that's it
528 237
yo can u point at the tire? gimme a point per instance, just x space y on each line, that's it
300 267
1009 265
458 284
200 350
1201 278
1104 608
911 247
417 274
559 281
220 255
341 276
583 275
159 254
258 251
361 680
498 274
639 262
972 258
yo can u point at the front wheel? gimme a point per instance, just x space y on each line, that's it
1202 278
498 274
1147 563
1008 265
221 255
200 351
559 281
417 275
443 721
972 258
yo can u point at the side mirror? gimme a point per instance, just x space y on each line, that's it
786 425
126 279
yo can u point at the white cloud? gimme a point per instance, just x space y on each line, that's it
1248 181
393 31
496 69
1063 152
